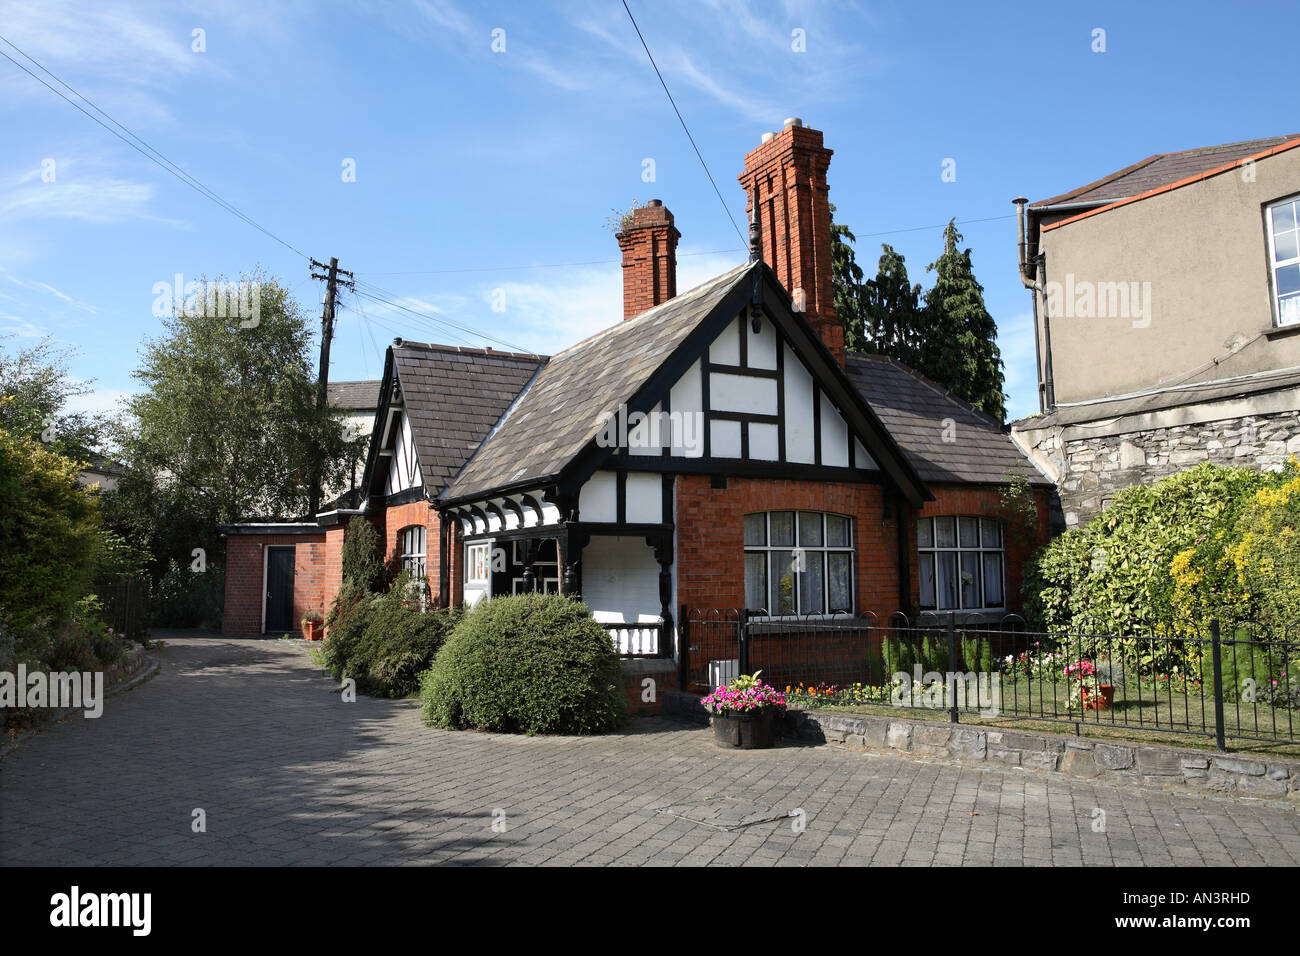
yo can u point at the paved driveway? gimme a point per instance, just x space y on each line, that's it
285 772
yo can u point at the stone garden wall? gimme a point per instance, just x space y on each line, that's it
1093 469
1117 762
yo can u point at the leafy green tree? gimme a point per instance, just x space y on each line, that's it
35 387
959 349
49 525
226 428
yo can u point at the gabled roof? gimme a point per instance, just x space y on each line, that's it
453 397
550 434
1162 172
354 396
914 409
568 402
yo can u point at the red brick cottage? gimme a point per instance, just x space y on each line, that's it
717 449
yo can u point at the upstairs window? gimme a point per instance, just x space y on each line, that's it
960 561
1284 259
411 542
798 562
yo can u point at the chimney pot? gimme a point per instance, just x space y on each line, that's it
767 136
792 121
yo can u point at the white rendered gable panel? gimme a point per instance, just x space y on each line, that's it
404 470
799 397
835 435
598 499
725 349
686 399
762 345
742 393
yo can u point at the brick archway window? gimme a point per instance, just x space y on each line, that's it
961 563
798 562
411 542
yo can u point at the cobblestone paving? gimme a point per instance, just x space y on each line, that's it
286 773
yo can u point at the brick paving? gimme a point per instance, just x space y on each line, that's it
286 773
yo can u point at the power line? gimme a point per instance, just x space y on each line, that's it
960 222
538 265
684 127
149 152
382 296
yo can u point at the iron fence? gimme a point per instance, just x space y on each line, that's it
1237 680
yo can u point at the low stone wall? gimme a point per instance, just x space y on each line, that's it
1118 762
636 671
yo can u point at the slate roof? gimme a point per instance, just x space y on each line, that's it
913 409
573 395
354 396
1191 394
453 397
1163 169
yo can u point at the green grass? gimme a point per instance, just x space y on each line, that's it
1137 715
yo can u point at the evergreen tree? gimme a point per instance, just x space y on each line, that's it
892 305
846 280
959 349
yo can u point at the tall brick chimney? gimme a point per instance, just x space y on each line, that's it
787 176
649 244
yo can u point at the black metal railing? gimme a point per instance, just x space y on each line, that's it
1238 680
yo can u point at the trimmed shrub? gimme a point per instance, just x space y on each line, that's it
527 663
344 626
399 641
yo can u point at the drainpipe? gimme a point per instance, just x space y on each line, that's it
1031 278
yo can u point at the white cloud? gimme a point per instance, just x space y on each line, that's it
36 286
100 401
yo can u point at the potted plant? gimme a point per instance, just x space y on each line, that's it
1093 685
311 628
744 712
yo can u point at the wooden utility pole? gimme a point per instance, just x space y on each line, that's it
332 282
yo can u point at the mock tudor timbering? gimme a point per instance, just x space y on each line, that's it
626 468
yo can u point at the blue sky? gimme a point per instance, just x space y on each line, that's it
473 164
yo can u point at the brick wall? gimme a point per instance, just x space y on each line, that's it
711 536
399 517
986 503
312 589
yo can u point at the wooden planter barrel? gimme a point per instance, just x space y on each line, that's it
752 731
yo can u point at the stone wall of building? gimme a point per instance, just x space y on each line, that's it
1093 470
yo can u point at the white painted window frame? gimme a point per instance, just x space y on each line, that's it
767 549
931 553
1274 265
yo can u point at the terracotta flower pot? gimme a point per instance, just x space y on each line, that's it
311 631
1100 701
752 731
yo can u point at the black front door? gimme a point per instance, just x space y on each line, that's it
279 589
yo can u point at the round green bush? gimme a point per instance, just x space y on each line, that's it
344 626
528 663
